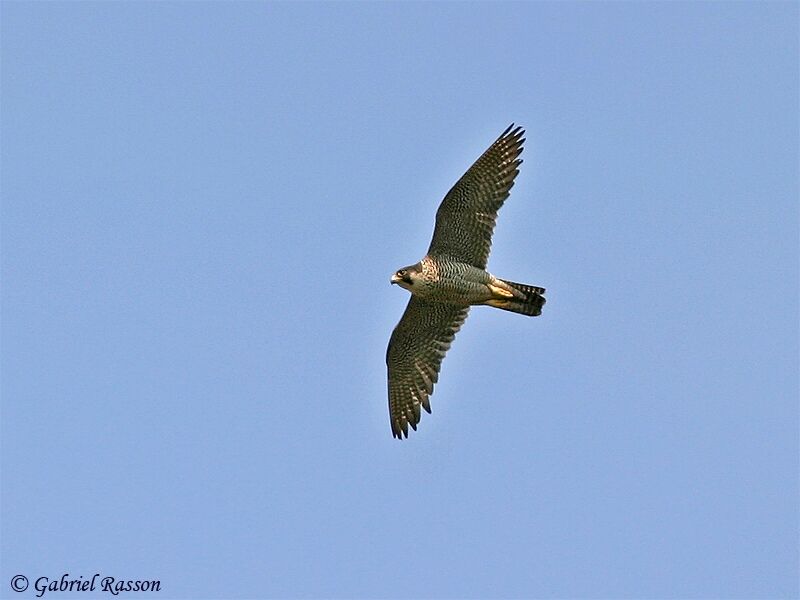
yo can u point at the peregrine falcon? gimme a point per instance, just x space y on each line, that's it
452 277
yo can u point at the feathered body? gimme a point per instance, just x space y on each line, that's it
442 279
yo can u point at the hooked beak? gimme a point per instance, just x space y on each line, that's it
395 279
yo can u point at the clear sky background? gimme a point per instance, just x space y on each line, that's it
202 204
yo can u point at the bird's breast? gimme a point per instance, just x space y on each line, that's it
451 282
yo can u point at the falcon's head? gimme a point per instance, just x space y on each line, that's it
408 276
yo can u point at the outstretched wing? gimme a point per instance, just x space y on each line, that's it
465 219
416 349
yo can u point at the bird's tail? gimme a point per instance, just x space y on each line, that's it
519 298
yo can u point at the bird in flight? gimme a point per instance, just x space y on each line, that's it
452 277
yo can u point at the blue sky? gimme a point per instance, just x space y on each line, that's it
202 204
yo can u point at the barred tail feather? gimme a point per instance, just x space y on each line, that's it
530 303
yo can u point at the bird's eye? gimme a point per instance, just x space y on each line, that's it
401 273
